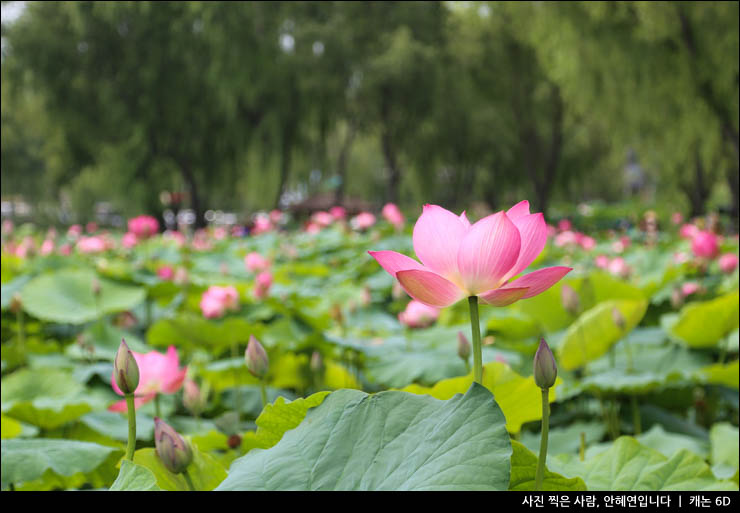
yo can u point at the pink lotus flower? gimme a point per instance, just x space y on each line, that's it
255 262
688 231
362 221
276 216
418 315
47 247
393 215
689 288
564 225
262 284
216 300
74 231
7 227
566 238
461 260
262 224
338 213
619 267
166 273
65 249
586 242
705 245
200 241
220 233
313 228
129 240
91 227
602 262
322 218
728 263
158 374
143 226
92 244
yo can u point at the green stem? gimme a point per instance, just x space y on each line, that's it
540 475
263 393
21 334
582 450
131 447
156 406
188 480
636 421
475 328
237 390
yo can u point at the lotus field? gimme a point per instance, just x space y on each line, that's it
433 351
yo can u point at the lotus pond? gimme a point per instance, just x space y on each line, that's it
288 358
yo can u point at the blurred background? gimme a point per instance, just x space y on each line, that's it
112 109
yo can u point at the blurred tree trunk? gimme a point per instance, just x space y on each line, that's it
193 190
697 190
342 162
389 150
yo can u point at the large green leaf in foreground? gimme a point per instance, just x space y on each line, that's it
67 296
628 465
388 441
28 460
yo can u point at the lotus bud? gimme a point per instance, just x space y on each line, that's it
172 449
545 370
234 441
571 300
192 397
463 346
15 303
256 357
618 319
317 363
125 369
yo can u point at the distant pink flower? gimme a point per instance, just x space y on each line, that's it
461 260
65 249
602 262
129 240
728 263
363 221
200 241
25 248
216 300
94 244
688 231
313 228
7 227
177 237
322 219
393 215
619 267
255 262
158 374
262 224
47 247
91 227
220 233
680 258
74 231
276 216
166 273
587 243
677 218
262 284
338 213
181 276
564 225
566 238
418 315
705 245
689 288
143 226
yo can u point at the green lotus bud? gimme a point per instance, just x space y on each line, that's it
172 449
570 299
545 370
463 346
256 357
125 369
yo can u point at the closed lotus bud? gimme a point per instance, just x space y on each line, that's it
463 346
125 369
570 299
15 303
545 370
618 318
256 357
192 397
172 449
317 363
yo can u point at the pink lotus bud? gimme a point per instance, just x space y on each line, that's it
15 303
192 397
262 224
322 218
166 273
129 240
312 228
689 288
619 267
65 249
463 346
705 245
393 215
619 320
564 225
255 262
74 231
276 216
256 358
418 315
220 233
570 299
125 369
47 247
338 213
728 263
172 449
262 284
587 243
91 227
545 370
566 238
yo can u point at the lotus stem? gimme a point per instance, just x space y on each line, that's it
475 328
131 407
540 475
